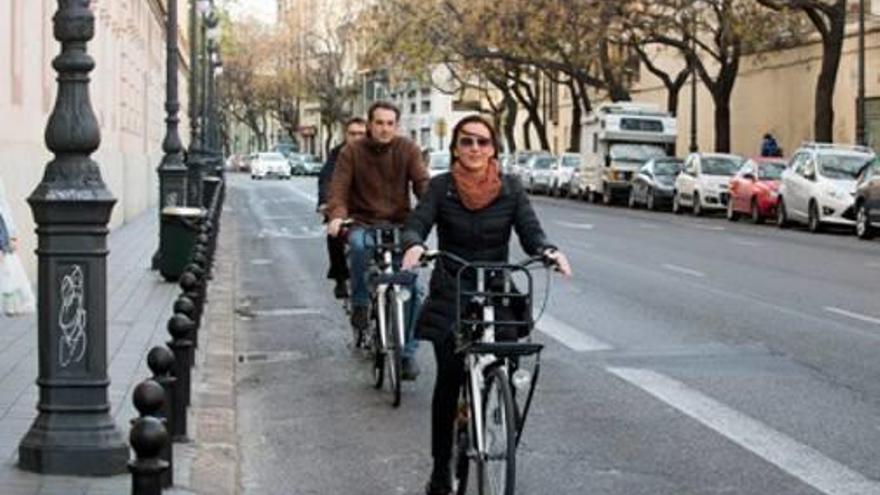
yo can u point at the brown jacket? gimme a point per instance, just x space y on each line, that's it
371 181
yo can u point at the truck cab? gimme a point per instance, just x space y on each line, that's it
616 140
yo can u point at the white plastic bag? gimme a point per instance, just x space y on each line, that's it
15 288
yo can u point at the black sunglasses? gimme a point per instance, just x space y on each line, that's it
467 141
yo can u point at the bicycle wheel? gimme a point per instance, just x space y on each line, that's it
395 347
497 465
378 352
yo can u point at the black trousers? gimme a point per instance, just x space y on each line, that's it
338 262
444 408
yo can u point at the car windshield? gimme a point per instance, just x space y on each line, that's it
627 152
771 170
544 162
439 161
571 161
667 167
841 166
272 157
523 157
720 165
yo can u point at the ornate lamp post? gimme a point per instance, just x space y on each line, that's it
195 157
172 170
74 432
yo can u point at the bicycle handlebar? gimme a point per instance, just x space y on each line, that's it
431 255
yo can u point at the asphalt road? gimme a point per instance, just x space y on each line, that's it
686 356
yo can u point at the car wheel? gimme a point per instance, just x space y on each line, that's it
756 213
698 205
781 215
864 230
814 223
606 195
676 203
650 202
731 213
631 199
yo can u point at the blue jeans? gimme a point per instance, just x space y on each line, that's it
360 251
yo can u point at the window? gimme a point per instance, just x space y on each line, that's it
426 106
595 143
412 135
426 137
412 107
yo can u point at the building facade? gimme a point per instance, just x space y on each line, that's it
127 92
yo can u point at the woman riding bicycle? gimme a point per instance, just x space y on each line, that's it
475 208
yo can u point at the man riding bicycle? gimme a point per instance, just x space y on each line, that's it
371 185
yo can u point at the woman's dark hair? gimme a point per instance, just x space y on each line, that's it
472 119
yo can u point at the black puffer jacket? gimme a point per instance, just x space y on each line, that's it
482 235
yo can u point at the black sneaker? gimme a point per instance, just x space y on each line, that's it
340 291
409 368
440 482
360 317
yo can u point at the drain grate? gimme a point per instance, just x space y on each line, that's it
270 357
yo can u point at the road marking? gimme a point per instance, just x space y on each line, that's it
569 336
686 271
261 261
649 226
743 242
286 312
310 197
716 228
857 316
799 460
573 225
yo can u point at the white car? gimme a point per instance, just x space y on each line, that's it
538 173
702 183
565 167
270 164
819 186
438 162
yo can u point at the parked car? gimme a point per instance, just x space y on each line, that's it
438 162
270 164
563 169
520 162
538 173
868 200
819 186
654 183
311 165
702 183
754 190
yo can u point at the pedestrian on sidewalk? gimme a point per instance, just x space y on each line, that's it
355 128
15 288
769 146
371 185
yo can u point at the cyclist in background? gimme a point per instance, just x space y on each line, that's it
475 208
371 184
355 128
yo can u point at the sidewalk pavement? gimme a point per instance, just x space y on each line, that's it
140 304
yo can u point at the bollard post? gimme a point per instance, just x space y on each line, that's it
160 360
149 439
180 326
189 283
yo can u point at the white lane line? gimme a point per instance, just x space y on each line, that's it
708 227
743 242
649 226
261 261
686 271
310 197
287 312
856 316
574 225
569 336
799 460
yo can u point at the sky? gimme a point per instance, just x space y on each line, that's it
264 10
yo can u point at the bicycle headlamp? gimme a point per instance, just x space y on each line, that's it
521 379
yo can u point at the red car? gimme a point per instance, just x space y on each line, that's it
754 190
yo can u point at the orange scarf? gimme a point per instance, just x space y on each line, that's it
477 189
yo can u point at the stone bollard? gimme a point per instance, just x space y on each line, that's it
148 438
160 360
190 286
180 327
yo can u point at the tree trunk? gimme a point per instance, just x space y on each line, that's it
823 122
510 110
526 130
574 137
